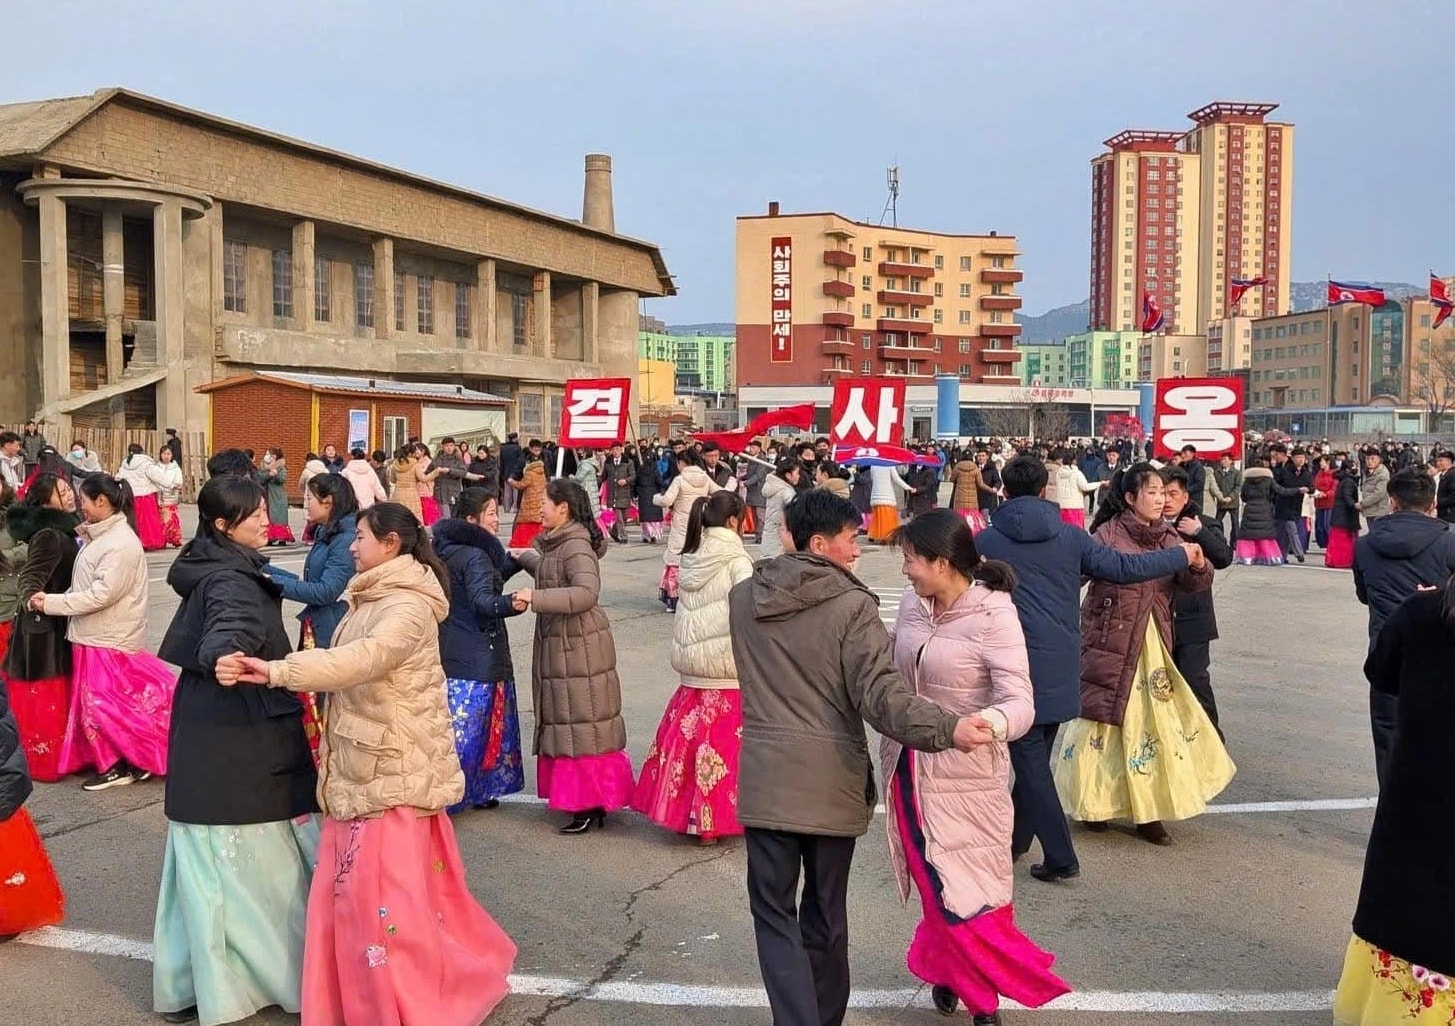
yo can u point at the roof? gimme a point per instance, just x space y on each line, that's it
28 129
879 227
332 384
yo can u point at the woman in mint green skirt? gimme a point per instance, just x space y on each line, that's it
242 830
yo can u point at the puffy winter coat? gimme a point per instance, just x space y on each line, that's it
474 644
574 687
1374 492
107 600
885 486
1345 511
1257 522
168 479
969 482
368 489
15 784
776 494
387 738
532 488
702 645
588 476
970 659
407 486
1071 487
327 570
648 484
1401 552
685 489
38 648
140 472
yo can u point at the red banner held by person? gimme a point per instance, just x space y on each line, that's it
595 412
867 411
1206 413
799 417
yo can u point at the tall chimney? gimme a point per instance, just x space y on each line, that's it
772 208
596 209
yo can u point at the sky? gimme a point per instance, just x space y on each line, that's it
992 109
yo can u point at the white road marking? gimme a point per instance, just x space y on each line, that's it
686 995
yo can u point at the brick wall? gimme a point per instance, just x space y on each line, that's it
333 418
259 414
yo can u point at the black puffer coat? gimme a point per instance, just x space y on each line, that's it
1257 522
649 483
38 646
474 644
1345 513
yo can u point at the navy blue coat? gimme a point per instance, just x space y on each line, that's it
15 785
474 644
327 570
1402 551
1050 557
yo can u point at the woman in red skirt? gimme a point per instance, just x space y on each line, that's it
1343 518
144 477
30 894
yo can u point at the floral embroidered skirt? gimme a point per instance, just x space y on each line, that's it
585 782
487 738
148 513
394 934
172 526
229 928
667 583
689 783
30 893
1263 552
1377 988
1165 762
121 709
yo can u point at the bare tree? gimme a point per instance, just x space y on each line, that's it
1433 384
1005 421
1052 421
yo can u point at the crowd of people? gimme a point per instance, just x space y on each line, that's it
311 775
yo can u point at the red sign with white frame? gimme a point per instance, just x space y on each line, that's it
781 285
867 411
1206 413
595 412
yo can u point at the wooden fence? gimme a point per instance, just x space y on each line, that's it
110 447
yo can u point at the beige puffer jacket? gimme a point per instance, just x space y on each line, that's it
107 601
387 738
702 644
685 489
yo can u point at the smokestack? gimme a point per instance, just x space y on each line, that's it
596 210
772 208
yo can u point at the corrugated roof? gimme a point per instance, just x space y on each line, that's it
366 386
31 127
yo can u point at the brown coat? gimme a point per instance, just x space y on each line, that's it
969 483
532 489
574 687
1114 617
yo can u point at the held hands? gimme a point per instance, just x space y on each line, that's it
37 602
1189 525
241 669
1195 558
520 600
972 731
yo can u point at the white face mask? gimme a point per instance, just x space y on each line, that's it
268 458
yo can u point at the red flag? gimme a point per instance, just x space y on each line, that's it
1153 320
1444 314
1440 296
1355 292
800 417
1240 286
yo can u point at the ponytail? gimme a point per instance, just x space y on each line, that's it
565 489
995 575
713 510
943 534
117 493
386 518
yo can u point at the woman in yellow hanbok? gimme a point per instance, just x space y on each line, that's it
1143 749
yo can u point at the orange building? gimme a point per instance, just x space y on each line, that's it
820 296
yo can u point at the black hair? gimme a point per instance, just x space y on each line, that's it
802 447
563 489
379 456
276 450
689 456
786 465
710 447
831 469
230 461
356 454
1128 481
447 440
6 437
472 502
42 489
230 499
943 534
1174 475
1189 449
135 449
1024 475
1412 488
117 493
337 488
819 512
713 510
386 518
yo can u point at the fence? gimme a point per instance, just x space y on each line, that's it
110 447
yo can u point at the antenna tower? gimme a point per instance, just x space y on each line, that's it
891 205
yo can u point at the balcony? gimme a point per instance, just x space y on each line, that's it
829 374
837 319
839 289
898 270
1000 302
897 298
1000 379
904 351
840 257
905 327
838 347
1001 276
1000 355
1000 330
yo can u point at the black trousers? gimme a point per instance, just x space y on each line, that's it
1232 513
1383 719
618 527
1194 662
803 946
1033 795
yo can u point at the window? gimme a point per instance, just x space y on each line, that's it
283 283
891 311
462 309
964 370
939 316
235 277
426 304
868 341
936 346
396 433
866 283
322 273
964 291
364 295
997 261
866 311
997 317
867 367
398 304
964 263
1424 320
939 263
868 254
964 345
520 320
964 316
939 288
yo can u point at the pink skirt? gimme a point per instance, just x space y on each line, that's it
524 533
667 585
279 532
121 708
149 522
394 935
689 783
171 526
430 509
585 782
1263 552
1074 517
977 519
1340 553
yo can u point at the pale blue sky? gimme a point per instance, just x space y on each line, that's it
991 108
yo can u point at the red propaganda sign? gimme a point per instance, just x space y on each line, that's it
781 338
595 411
867 411
1203 412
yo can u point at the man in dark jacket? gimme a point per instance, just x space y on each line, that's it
1050 557
1445 488
449 485
620 474
1292 480
1194 622
755 475
805 784
1196 474
512 461
1403 550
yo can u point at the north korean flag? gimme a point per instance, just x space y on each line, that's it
1241 285
1153 320
1355 292
1440 296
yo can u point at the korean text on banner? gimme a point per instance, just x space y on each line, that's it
595 412
1206 413
781 285
867 411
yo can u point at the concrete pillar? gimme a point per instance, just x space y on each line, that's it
590 315
303 276
541 335
487 335
383 284
113 301
55 313
596 206
617 339
171 298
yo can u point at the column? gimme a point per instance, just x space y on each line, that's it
171 288
113 301
542 309
303 276
590 312
55 300
383 284
486 337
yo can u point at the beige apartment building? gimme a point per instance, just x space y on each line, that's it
147 249
1179 214
820 296
1171 356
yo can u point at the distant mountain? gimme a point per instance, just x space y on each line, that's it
715 328
1054 325
1314 295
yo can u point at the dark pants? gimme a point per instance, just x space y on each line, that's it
803 947
759 512
618 529
1037 808
1194 661
1232 530
1322 519
1383 718
1289 538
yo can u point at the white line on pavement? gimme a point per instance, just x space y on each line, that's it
688 995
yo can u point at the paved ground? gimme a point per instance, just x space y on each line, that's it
1243 919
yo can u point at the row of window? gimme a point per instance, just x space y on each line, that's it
1264 398
1289 373
866 311
866 284
867 367
892 257
1285 330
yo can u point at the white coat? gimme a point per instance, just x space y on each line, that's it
168 479
107 601
140 472
777 493
885 484
685 489
702 647
1071 487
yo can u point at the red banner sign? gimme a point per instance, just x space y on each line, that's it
782 305
595 411
1206 413
867 411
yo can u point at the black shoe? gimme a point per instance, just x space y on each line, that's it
140 776
185 1015
584 821
671 605
993 1019
1300 557
1097 826
1154 833
1016 856
116 776
491 803
945 1000
1053 874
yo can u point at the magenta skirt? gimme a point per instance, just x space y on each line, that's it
1263 552
585 782
121 708
1340 553
430 508
1075 517
149 522
689 783
394 935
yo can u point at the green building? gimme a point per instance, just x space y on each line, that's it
705 363
1102 359
1044 364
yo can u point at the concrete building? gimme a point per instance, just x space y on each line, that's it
1229 345
1179 214
820 296
1171 356
1044 363
1102 359
147 250
705 363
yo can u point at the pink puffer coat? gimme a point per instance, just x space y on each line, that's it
970 659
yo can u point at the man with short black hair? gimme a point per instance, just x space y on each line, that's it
12 463
175 444
236 462
1292 480
1196 474
1374 487
717 468
32 443
1445 486
511 461
755 476
449 485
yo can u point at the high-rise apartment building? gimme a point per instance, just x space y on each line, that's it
1180 215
